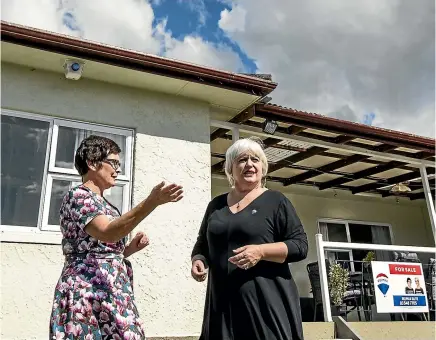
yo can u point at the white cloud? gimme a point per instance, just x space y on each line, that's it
338 57
198 51
122 23
40 14
227 19
344 58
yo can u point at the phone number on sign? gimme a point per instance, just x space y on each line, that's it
409 301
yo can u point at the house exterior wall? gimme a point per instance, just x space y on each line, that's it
172 144
410 223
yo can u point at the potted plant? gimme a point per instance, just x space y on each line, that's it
370 256
338 282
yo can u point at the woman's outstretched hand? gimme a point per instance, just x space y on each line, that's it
162 194
198 271
139 242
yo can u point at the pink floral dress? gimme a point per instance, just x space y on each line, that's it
94 295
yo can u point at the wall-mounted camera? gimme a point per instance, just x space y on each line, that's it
73 69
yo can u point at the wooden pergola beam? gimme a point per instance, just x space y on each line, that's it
381 182
361 174
334 165
425 153
307 184
318 122
314 150
238 119
329 153
391 180
325 169
218 167
421 195
291 130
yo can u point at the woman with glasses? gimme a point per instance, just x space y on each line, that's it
94 295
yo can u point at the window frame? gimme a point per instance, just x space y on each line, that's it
346 224
98 128
50 234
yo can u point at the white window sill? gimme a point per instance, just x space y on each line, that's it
34 236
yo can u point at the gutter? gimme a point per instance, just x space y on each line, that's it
70 46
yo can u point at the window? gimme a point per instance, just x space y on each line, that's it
37 169
354 232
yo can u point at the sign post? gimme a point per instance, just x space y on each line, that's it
399 287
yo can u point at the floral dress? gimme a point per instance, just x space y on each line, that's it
94 295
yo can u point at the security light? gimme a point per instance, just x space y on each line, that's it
269 126
73 69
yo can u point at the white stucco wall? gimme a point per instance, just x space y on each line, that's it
172 144
410 222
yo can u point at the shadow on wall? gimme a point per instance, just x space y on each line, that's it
150 113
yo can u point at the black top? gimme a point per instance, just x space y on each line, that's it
261 302
409 290
419 290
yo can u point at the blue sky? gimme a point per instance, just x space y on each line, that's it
183 18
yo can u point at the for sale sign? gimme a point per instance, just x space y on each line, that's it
399 287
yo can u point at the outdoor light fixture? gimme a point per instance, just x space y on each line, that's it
269 126
73 69
400 188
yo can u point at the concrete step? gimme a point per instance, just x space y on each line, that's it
397 330
319 330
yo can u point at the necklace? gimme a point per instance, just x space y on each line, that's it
239 203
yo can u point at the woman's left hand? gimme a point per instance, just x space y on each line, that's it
247 256
139 242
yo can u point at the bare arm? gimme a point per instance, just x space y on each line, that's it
104 230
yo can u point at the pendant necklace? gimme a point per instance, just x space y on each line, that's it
237 204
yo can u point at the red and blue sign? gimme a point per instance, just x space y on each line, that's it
399 287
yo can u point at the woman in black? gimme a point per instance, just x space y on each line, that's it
247 240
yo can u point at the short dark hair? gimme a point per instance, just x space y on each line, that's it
94 149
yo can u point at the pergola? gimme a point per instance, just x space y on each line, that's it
314 150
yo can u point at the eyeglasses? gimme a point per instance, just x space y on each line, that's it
115 164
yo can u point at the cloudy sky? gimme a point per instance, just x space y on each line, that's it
368 61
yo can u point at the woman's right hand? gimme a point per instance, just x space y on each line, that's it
198 271
162 194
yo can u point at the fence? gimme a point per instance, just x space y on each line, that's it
322 246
